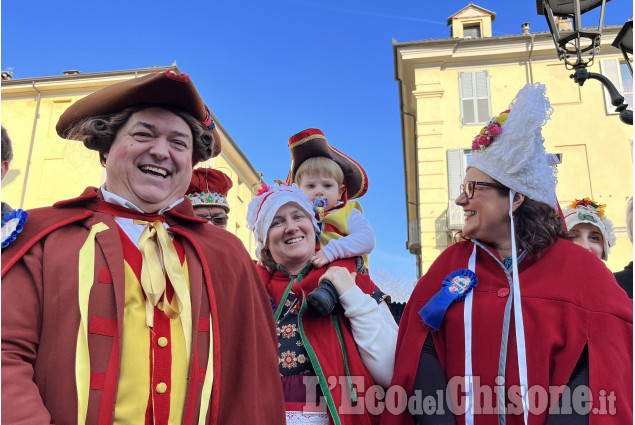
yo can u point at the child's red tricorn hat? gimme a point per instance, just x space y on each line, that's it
312 143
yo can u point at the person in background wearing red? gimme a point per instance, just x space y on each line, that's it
208 194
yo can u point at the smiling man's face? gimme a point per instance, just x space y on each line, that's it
150 160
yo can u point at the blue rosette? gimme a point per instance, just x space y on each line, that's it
12 224
455 287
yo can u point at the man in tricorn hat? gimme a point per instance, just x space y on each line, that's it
121 305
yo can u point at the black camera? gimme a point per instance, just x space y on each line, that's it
323 298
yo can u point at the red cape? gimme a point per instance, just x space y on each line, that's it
39 270
569 299
323 340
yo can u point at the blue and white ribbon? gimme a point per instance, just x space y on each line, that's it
467 321
454 287
518 316
12 224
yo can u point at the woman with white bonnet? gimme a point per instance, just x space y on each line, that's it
509 322
589 227
340 356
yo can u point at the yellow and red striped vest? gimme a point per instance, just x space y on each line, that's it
152 383
334 225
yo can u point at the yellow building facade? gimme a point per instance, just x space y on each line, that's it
46 168
449 89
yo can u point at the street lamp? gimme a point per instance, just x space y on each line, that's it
577 48
624 41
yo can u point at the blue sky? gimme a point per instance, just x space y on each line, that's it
269 70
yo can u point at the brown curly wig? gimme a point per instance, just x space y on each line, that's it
98 133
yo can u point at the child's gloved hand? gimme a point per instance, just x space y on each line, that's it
319 259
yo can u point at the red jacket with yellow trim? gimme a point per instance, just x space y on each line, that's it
40 320
569 300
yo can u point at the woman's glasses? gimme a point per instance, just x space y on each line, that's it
468 187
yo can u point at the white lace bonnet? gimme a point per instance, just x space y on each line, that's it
588 211
263 208
514 153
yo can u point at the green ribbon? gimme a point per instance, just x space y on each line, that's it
322 381
338 329
324 386
276 315
586 217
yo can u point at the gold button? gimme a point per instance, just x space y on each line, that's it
162 387
163 341
160 305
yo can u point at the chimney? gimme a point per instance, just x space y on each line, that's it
563 24
525 27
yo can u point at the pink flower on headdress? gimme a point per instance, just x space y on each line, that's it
263 189
494 130
490 132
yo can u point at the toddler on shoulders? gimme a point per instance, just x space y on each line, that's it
331 179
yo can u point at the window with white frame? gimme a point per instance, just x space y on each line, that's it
475 98
472 31
458 159
621 77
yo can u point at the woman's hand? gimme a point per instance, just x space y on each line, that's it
341 279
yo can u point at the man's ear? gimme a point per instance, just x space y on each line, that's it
519 198
5 168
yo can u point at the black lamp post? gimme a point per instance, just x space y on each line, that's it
624 42
577 48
